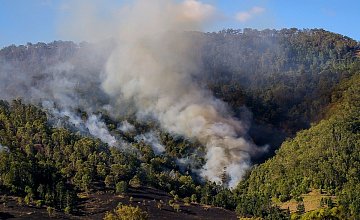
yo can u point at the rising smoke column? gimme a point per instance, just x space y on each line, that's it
152 66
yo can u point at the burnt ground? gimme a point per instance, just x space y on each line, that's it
95 205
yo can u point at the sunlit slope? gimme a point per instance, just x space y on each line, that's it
326 156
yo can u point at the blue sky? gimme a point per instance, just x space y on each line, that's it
23 21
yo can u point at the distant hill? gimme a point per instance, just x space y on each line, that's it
285 77
297 89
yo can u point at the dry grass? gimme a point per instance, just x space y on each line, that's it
311 201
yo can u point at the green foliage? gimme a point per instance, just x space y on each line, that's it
176 207
193 198
300 208
349 198
50 211
336 213
121 187
259 205
124 212
135 182
284 76
186 200
52 165
326 156
27 168
288 78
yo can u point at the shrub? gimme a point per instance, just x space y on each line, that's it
121 187
125 212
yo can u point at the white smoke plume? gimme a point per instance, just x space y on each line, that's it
152 66
69 77
92 125
64 73
4 148
97 128
151 139
125 126
188 163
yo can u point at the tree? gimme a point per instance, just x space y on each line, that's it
135 182
121 187
109 181
50 211
124 212
176 207
193 198
300 208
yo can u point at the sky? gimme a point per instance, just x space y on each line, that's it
23 21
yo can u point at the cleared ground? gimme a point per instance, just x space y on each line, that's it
95 205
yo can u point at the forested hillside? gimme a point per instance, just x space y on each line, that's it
324 157
49 166
286 76
283 76
296 90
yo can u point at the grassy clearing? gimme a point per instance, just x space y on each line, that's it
311 201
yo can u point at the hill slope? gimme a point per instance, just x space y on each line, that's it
325 157
289 79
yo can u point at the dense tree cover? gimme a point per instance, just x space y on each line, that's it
284 76
49 166
29 148
325 157
287 78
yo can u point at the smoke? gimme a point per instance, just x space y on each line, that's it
153 65
183 163
125 127
244 16
151 139
189 163
61 81
64 73
3 148
98 129
92 125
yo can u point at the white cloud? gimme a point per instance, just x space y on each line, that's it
245 16
197 10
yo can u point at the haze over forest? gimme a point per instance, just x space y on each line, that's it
152 117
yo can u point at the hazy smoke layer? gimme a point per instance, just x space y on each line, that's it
152 66
67 75
125 126
93 125
64 74
98 129
151 139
